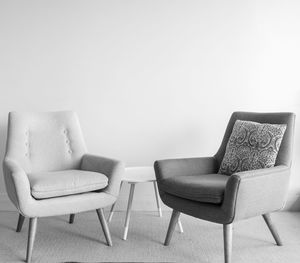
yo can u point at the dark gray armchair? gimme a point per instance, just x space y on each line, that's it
193 186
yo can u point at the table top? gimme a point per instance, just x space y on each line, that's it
139 174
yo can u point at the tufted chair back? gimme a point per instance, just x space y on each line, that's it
284 156
47 141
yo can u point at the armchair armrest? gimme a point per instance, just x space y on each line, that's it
188 166
256 192
17 184
112 168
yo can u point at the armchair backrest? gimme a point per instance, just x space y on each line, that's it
45 141
284 156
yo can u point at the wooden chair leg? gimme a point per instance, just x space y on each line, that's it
71 218
104 225
272 229
172 224
227 235
130 199
31 238
157 198
20 223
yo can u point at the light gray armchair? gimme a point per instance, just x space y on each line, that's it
194 187
48 171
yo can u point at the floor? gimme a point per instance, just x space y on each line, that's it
57 241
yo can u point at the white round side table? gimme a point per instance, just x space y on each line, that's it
133 176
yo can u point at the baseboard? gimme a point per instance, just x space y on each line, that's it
148 203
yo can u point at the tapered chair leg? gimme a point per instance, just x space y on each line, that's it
172 224
227 235
31 238
272 229
104 225
20 223
71 218
128 212
157 198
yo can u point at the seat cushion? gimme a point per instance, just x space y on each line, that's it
207 188
67 182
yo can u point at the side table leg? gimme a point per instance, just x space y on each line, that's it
111 213
157 198
128 211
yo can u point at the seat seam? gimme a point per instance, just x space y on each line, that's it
205 195
84 186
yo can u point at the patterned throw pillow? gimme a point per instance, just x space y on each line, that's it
252 146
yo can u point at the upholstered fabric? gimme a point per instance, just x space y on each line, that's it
48 141
206 188
67 182
185 166
112 168
256 192
246 194
252 146
54 143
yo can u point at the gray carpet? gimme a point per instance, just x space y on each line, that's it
57 241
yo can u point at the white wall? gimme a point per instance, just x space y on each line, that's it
150 79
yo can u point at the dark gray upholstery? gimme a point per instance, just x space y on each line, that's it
206 188
246 194
190 185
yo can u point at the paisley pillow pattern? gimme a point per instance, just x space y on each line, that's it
252 146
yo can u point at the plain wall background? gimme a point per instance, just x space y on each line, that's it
150 79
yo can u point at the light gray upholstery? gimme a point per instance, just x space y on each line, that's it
67 182
41 143
246 194
49 141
